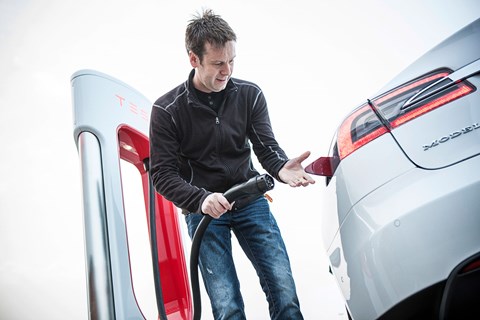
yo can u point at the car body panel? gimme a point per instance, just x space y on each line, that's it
407 235
388 163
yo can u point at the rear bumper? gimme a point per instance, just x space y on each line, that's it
406 236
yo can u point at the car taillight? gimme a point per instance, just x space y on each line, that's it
358 129
471 266
390 110
397 107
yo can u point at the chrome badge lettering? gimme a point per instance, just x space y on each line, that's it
451 136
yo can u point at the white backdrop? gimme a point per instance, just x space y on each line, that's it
315 60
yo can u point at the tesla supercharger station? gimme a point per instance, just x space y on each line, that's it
111 124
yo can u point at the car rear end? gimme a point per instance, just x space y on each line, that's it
402 202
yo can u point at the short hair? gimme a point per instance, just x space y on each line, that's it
207 27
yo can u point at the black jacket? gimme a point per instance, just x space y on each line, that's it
195 151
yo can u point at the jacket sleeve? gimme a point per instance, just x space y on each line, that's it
164 148
266 148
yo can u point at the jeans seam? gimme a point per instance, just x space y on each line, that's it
260 271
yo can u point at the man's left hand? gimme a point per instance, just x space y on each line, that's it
293 172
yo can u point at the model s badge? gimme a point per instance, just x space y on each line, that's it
451 136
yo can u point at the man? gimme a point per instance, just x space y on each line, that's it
200 136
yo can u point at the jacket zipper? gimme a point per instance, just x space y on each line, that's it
228 171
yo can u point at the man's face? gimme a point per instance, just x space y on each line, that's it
215 69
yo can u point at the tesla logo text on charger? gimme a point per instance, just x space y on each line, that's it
132 108
451 136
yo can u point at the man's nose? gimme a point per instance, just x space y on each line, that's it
227 69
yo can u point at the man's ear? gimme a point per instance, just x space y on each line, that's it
194 60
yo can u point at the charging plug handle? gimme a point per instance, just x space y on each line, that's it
249 190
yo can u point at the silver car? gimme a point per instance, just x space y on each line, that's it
401 206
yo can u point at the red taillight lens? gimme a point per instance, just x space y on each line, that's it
397 107
412 87
473 265
458 90
358 129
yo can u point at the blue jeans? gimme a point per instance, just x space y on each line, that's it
259 236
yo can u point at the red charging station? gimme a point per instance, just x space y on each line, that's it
111 124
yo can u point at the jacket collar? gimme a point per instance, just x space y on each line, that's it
192 97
